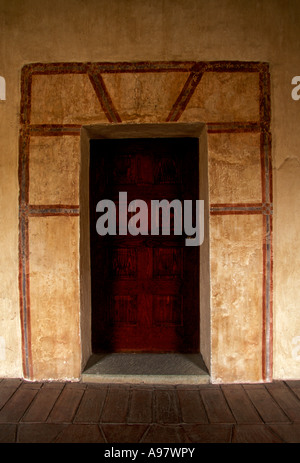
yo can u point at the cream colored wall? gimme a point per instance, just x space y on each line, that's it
132 30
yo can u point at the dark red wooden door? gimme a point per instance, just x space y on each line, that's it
145 288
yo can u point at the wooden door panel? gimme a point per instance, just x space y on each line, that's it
144 288
167 262
167 310
123 309
123 263
168 170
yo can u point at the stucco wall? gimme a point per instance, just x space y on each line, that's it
98 31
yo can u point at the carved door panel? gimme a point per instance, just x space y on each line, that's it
145 288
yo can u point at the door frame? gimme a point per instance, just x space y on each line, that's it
143 130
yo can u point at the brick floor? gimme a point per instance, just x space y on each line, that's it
57 412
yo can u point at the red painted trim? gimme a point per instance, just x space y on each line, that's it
196 69
185 96
264 372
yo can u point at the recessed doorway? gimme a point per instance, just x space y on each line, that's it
143 293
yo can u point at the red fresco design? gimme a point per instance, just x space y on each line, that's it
95 72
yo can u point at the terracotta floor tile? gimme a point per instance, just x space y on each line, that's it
240 405
286 399
113 413
54 384
42 405
166 408
294 386
80 434
16 406
254 434
8 433
31 385
6 392
289 433
266 406
39 433
123 433
216 407
140 406
66 406
165 434
11 382
91 406
192 408
208 433
116 405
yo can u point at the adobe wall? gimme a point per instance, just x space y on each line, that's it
255 324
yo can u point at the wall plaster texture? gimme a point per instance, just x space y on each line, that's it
194 30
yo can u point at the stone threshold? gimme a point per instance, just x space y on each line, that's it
144 368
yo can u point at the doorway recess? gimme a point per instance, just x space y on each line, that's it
182 355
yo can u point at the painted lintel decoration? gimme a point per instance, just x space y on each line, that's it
57 99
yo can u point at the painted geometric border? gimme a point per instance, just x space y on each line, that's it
196 71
